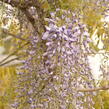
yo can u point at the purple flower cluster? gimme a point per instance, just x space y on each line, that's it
54 72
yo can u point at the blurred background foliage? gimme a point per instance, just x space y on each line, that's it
8 45
7 78
92 16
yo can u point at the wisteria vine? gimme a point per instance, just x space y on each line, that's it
56 66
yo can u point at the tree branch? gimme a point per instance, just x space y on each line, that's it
13 35
18 3
30 19
13 53
40 11
93 89
9 61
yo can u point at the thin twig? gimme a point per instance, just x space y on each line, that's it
93 89
13 35
97 53
13 53
7 62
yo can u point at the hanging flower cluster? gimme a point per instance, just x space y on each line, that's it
57 66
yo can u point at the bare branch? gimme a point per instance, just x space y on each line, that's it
93 89
13 35
30 19
13 53
40 13
9 61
